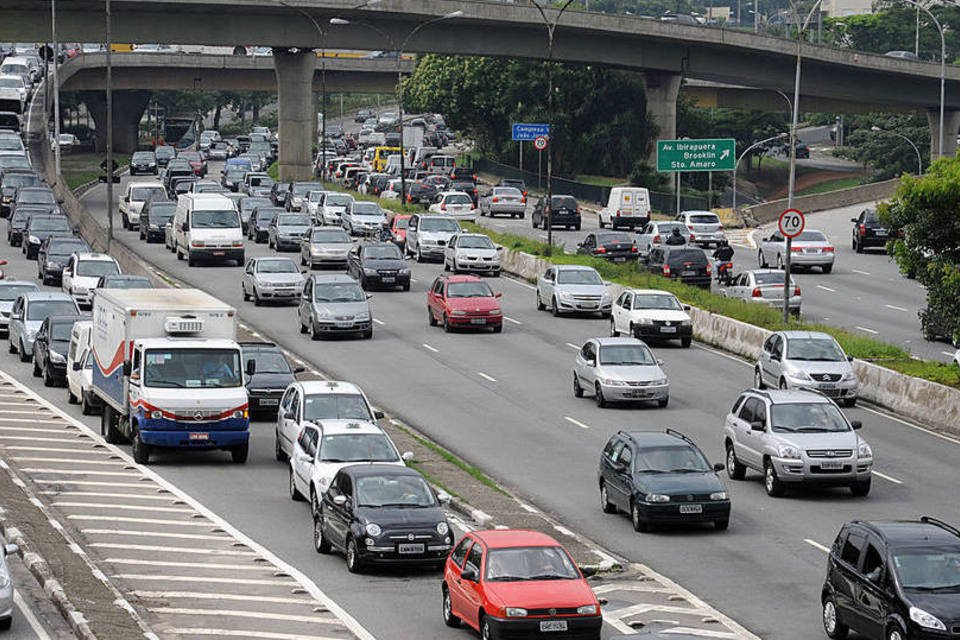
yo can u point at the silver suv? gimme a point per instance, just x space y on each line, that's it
807 360
795 437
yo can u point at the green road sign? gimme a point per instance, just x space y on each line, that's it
696 155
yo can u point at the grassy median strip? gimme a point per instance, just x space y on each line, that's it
858 346
80 168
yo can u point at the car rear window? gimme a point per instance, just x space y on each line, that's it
687 255
811 236
604 238
774 277
704 218
564 202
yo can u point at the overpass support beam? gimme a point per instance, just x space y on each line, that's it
662 89
951 122
128 108
296 112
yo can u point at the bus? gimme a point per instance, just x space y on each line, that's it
380 155
180 130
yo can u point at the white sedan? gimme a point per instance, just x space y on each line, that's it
651 314
455 204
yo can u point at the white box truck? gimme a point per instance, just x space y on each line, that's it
167 369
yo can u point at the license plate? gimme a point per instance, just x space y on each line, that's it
478 321
880 232
619 259
410 548
269 402
691 508
831 465
344 325
219 253
668 329
812 251
199 436
638 394
828 386
553 625
688 273
388 279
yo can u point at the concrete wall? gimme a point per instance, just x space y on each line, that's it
770 211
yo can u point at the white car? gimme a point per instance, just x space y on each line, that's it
810 249
334 206
455 204
651 314
363 218
6 588
14 88
314 204
82 273
392 190
704 226
472 252
321 450
80 382
134 197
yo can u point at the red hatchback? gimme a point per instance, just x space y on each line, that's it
463 302
518 584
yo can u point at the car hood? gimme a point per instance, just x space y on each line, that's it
342 308
88 282
269 380
582 289
944 605
821 440
291 230
435 235
474 304
679 483
386 263
634 373
332 247
663 315
6 306
280 278
813 366
60 346
390 517
541 594
477 253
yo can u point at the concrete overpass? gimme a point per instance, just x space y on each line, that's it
664 52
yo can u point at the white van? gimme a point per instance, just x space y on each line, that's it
134 197
80 368
626 207
207 227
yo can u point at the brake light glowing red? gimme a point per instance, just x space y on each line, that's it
600 250
656 239
666 270
756 293
796 291
633 249
863 229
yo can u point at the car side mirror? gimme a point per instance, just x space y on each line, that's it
686 307
76 228
498 295
126 368
719 466
67 272
591 362
185 226
756 425
407 456
619 467
469 573
77 366
849 358
369 296
289 416
378 414
853 220
775 357
340 500
297 370
251 367
443 497
499 248
856 424
126 198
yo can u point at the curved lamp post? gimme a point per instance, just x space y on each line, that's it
779 136
903 137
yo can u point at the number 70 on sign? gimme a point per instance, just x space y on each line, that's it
791 223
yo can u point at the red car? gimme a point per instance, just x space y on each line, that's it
463 301
398 228
197 163
516 583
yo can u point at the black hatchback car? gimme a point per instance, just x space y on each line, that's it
615 246
382 514
269 376
893 581
661 477
868 231
53 254
50 349
378 264
688 264
258 226
566 213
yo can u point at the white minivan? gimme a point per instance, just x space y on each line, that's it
207 227
80 368
626 207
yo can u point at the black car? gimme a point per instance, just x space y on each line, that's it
278 193
41 227
50 349
164 154
566 213
378 264
661 477
615 246
182 185
868 231
377 183
40 196
10 183
232 177
381 514
154 217
803 151
143 162
893 580
17 222
248 204
468 187
268 377
53 254
516 184
124 281
258 227
421 193
688 264
463 174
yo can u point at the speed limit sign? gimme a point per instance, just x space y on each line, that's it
791 223
540 143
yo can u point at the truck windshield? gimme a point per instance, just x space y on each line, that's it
215 219
192 368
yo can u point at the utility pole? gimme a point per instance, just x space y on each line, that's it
109 131
56 86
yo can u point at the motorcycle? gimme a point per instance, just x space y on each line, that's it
724 272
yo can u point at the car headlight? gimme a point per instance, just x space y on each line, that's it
864 450
405 271
323 313
156 415
718 495
516 612
799 375
369 272
33 240
362 316
459 312
644 320
610 382
4 580
373 529
660 382
788 451
442 528
324 483
686 323
564 295
849 375
495 312
56 357
656 497
926 620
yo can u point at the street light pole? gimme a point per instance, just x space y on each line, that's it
743 155
56 86
943 64
109 170
903 137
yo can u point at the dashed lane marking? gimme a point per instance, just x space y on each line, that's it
379 322
576 422
816 545
486 377
155 534
105 494
867 330
113 518
148 562
31 619
429 348
820 286
949 354
123 507
236 633
205 579
572 346
886 477
863 273
895 308
509 319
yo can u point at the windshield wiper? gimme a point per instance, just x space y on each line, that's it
165 383
402 505
650 471
812 429
509 579
686 470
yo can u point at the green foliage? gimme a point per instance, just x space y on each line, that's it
644 175
893 28
888 154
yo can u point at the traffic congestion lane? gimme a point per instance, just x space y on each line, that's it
447 373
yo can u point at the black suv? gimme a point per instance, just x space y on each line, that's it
661 477
688 264
893 580
868 231
566 213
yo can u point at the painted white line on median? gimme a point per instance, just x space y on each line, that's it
155 534
509 319
103 494
379 322
205 579
816 545
200 595
31 619
820 286
168 549
236 613
113 518
429 348
948 354
122 507
193 565
863 273
728 356
886 477
576 422
486 377
867 330
240 633
572 346
895 308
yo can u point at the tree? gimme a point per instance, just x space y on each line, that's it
893 28
888 154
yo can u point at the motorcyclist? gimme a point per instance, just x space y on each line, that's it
723 252
675 237
723 260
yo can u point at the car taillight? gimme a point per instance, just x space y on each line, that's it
656 239
796 291
443 207
756 293
409 198
578 210
666 270
828 249
523 200
690 226
496 199
618 213
863 229
692 237
524 194
633 249
708 268
796 249
719 227
600 250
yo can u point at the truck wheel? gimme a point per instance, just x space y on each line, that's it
85 407
141 451
71 399
107 428
239 454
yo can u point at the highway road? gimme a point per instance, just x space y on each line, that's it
477 393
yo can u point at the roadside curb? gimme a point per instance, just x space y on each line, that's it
464 509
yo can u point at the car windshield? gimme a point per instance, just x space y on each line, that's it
928 569
530 563
249 204
235 172
49 224
439 224
303 188
9 292
336 406
161 215
316 196
330 236
293 221
261 181
656 301
401 223
809 417
11 83
165 152
143 156
268 361
61 249
870 215
704 218
145 193
190 368
337 200
20 180
60 331
97 268
366 209
810 236
469 290
578 276
338 292
40 309
814 349
668 227
671 459
626 355
11 144
382 252
277 266
564 202
475 242
394 491
360 447
772 277
458 198
214 219
129 282
36 197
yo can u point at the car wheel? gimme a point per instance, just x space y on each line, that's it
861 489
540 305
432 321
277 449
827 268
761 260
6 623
239 453
771 482
256 298
419 254
486 631
85 407
601 222
71 399
295 494
598 396
320 542
858 246
780 264
448 618
850 402
735 469
246 296
141 451
832 626
446 324
895 633
48 379
639 524
783 384
555 307
577 389
446 265
314 332
24 356
11 348
758 379
663 403
36 365
354 564
613 329
605 505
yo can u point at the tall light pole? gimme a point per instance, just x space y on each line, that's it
943 65
779 136
551 28
56 85
903 137
399 51
109 170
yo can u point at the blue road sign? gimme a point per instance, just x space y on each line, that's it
525 131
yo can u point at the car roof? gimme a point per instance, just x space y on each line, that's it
62 319
99 257
332 278
698 212
461 278
910 533
651 292
572 267
255 345
341 427
30 296
328 386
607 341
506 538
19 283
786 396
809 335
648 438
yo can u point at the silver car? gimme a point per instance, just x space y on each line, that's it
619 370
28 313
704 227
807 360
363 218
334 304
508 201
472 252
334 206
795 437
6 587
10 290
809 249
287 230
764 286
655 234
271 280
428 235
570 288
325 246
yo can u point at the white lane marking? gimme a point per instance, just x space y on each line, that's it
863 273
31 412
113 518
867 330
949 354
816 545
156 534
192 565
79 472
105 494
83 449
820 286
167 549
429 348
520 282
31 619
122 507
728 356
543 236
509 319
911 425
29 429
414 280
286 617
205 579
201 595
234 633
34 421
63 460
895 308
379 322
486 377
576 422
886 477
73 440
92 483
572 346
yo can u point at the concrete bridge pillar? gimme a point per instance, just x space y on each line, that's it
662 89
951 124
296 112
128 108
